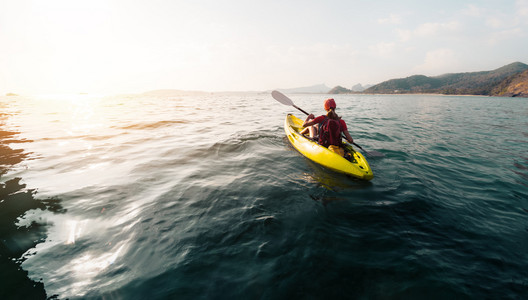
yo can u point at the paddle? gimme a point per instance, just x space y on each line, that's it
287 101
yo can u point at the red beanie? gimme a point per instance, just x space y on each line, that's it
329 103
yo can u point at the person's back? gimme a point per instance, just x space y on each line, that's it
330 128
330 133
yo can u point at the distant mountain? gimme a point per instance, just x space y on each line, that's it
513 86
340 90
472 83
358 88
313 89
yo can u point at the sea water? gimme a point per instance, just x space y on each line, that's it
202 197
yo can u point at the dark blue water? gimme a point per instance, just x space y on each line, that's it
202 197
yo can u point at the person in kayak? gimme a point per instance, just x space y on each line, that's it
330 128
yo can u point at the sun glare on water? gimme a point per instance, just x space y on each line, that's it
76 114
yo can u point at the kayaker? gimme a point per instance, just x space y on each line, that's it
330 128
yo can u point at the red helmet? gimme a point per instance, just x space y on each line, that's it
329 103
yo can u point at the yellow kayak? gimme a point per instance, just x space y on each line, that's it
357 166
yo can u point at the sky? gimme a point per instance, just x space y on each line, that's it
133 46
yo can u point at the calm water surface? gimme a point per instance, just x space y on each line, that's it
202 197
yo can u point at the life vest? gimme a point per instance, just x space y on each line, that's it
330 132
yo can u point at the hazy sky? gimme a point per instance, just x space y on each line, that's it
126 46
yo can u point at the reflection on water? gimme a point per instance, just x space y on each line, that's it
331 180
84 269
18 232
75 231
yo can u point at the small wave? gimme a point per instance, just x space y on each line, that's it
153 125
242 143
10 137
520 166
377 136
521 169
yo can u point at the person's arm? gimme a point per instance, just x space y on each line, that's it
309 120
348 137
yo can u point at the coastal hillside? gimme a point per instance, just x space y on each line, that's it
471 83
513 86
340 90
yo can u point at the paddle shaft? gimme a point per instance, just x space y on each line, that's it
358 146
300 109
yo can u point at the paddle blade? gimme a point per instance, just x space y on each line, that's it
281 98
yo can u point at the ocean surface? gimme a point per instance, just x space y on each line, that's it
201 197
